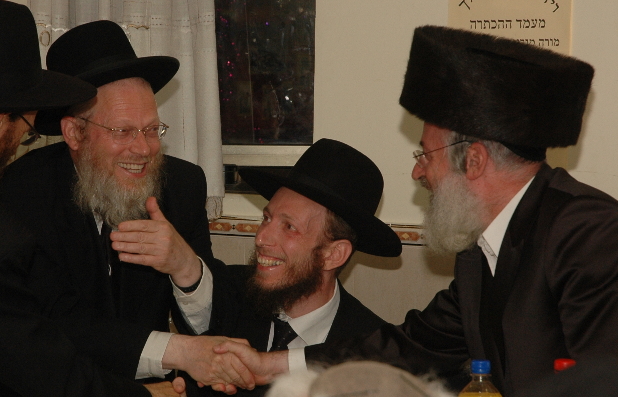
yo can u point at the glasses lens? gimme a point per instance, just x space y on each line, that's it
123 137
154 131
420 158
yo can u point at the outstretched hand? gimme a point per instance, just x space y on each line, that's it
155 242
264 366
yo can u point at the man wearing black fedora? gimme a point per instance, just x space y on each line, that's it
121 229
317 216
536 274
37 358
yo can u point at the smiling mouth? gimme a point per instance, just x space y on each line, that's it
269 262
132 168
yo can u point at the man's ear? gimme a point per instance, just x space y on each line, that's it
336 254
476 160
71 131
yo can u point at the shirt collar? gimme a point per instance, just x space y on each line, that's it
491 239
313 327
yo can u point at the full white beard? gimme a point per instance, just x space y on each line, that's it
453 221
97 190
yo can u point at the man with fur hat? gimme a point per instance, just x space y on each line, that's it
536 275
318 215
33 348
112 295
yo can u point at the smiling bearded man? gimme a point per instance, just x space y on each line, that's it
317 216
98 189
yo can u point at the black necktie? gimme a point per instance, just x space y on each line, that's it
284 334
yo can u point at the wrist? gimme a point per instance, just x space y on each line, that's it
174 355
190 281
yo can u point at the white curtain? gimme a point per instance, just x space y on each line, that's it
184 29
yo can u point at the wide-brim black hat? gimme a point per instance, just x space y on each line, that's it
341 179
99 52
496 89
24 85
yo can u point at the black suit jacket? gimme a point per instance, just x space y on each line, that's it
37 359
242 321
555 294
69 275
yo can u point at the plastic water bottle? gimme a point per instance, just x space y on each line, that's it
481 381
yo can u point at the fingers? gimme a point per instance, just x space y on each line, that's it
233 371
238 340
245 377
230 390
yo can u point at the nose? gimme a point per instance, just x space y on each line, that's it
417 172
263 236
141 146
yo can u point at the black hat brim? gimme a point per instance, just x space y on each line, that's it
374 236
55 90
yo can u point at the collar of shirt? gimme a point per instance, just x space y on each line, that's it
491 239
312 328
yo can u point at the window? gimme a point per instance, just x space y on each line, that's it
265 51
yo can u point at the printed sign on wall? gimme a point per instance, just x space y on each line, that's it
545 23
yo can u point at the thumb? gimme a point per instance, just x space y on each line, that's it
179 385
153 209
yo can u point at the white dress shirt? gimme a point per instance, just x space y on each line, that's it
491 239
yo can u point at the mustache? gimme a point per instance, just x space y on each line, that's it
424 183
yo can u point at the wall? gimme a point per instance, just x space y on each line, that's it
361 53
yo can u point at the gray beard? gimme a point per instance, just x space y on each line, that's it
98 191
453 220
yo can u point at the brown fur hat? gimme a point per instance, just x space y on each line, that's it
495 89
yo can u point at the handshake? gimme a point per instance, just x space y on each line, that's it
223 363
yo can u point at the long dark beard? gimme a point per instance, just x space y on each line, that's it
302 280
97 190
453 221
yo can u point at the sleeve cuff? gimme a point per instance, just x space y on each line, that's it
196 306
150 362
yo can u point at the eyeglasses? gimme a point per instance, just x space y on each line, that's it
421 158
124 136
33 135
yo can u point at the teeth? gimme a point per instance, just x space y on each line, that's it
269 262
131 167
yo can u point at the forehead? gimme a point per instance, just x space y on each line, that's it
433 136
289 203
128 98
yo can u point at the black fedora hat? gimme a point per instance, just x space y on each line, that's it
341 179
99 52
24 85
